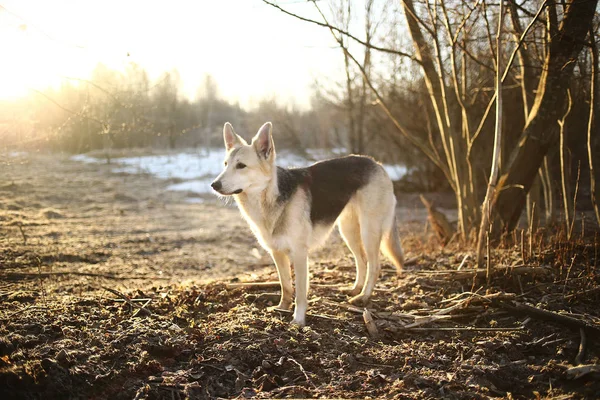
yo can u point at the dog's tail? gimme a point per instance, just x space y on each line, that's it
391 246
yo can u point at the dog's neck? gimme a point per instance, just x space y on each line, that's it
259 207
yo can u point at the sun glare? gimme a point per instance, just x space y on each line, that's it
20 67
31 57
250 49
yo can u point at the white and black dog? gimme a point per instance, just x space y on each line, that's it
292 211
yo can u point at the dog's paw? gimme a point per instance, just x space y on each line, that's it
299 322
351 291
359 300
282 306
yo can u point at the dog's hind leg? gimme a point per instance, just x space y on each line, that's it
300 262
391 245
370 231
282 262
350 231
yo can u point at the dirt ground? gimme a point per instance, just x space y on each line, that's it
113 287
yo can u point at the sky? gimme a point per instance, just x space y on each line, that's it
252 50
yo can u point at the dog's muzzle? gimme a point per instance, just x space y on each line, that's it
218 186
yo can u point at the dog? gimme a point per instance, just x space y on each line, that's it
293 210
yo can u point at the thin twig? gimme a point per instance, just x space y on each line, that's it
462 263
140 309
20 225
120 300
28 308
308 380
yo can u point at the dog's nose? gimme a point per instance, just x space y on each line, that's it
216 185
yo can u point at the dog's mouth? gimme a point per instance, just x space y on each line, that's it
232 193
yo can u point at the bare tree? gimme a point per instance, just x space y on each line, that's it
541 130
453 45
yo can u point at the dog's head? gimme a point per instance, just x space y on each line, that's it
248 167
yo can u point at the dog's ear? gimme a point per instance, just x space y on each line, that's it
263 141
231 138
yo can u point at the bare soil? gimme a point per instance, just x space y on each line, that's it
113 287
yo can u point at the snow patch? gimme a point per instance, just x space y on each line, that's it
198 169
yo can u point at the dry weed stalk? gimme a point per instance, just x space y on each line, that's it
575 200
484 228
23 235
563 167
594 190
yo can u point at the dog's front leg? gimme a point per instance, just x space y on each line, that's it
300 262
282 262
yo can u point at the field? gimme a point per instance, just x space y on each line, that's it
112 286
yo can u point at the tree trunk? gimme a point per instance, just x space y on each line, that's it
541 129
459 174
494 170
594 189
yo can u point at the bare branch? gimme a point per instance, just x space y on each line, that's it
76 113
414 140
343 32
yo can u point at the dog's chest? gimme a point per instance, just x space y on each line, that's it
276 228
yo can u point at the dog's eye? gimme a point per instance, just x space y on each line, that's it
240 165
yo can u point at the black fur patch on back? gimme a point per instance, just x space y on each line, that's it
288 181
330 184
333 182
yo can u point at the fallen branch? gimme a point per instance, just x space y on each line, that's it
348 307
426 320
535 312
474 297
23 275
581 370
464 329
370 324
